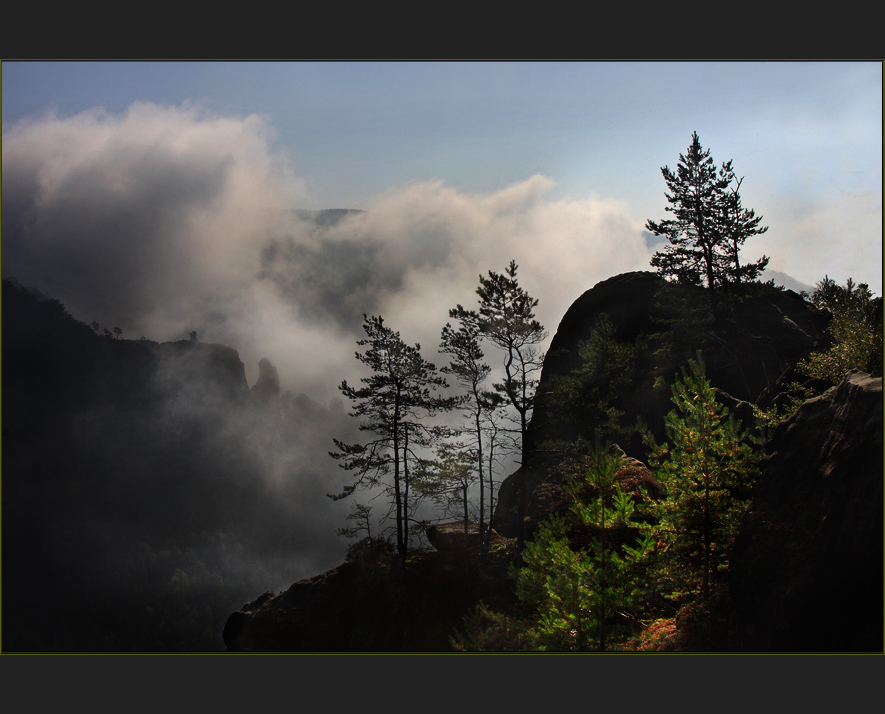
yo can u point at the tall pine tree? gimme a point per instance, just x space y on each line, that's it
710 224
507 319
396 399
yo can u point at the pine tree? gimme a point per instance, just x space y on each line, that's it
587 395
447 479
399 394
581 569
856 328
709 226
469 371
707 469
507 319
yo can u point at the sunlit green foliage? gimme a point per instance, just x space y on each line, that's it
856 328
582 574
582 570
488 631
707 468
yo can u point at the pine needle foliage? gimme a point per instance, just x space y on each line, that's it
582 573
507 320
709 223
707 467
393 404
856 328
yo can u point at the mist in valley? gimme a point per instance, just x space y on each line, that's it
135 477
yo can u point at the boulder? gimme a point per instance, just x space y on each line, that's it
451 536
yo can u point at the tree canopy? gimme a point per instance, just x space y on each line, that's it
396 398
507 319
856 328
710 224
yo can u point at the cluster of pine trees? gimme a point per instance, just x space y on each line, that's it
410 456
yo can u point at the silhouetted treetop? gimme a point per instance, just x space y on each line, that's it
709 225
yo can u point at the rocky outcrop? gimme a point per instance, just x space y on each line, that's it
746 349
369 607
452 536
211 371
267 388
806 567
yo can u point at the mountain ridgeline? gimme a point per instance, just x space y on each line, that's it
141 492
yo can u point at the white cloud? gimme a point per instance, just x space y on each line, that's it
160 220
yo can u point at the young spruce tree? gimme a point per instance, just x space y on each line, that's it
582 569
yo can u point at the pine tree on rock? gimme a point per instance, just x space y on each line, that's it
507 319
469 371
709 226
396 399
707 468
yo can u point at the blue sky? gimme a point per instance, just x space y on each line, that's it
355 129
461 167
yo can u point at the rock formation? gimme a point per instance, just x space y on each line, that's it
746 350
267 387
368 607
806 567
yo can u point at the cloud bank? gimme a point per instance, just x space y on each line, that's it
163 220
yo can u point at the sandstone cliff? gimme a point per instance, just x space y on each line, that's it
806 572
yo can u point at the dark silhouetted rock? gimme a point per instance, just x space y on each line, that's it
201 371
267 387
368 607
746 350
806 567
451 536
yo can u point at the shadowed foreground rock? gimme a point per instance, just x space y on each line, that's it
806 569
370 607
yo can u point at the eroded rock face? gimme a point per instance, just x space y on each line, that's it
806 567
745 352
268 385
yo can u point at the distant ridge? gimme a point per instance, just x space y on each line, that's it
327 216
785 280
